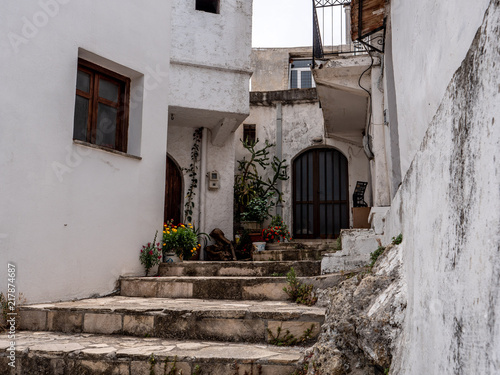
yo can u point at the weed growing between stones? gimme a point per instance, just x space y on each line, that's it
173 370
197 370
288 339
374 256
152 363
298 292
305 367
397 240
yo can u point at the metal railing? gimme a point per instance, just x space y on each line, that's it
332 31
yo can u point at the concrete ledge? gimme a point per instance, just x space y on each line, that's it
288 255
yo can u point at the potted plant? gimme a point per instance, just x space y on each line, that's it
277 232
151 255
181 240
255 190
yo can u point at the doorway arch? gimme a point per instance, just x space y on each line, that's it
173 192
320 194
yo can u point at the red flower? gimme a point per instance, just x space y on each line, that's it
150 252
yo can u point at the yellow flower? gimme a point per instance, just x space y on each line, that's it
183 226
164 244
174 230
164 232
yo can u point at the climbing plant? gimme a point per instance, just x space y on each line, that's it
192 172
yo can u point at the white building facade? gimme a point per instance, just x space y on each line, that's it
84 185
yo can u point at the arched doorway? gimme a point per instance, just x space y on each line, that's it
173 192
320 194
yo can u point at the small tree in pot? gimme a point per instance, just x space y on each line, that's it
255 194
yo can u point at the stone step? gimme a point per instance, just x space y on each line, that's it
209 287
288 254
219 320
58 353
256 269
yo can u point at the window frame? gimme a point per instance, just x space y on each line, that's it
299 74
252 129
97 73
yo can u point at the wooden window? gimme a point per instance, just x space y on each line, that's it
210 6
101 108
249 133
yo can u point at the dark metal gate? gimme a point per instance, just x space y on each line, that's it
320 194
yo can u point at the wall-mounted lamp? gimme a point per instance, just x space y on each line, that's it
317 140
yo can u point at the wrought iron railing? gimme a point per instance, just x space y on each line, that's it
332 30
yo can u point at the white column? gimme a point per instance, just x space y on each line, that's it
380 175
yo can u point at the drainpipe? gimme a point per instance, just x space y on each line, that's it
203 186
347 9
279 148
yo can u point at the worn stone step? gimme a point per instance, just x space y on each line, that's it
290 254
256 269
52 353
209 287
219 320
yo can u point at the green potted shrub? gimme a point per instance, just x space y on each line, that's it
254 194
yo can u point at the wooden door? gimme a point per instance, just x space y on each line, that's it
173 192
320 194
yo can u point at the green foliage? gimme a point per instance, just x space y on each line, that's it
4 311
251 188
288 339
374 256
150 254
192 172
397 240
152 363
181 239
257 209
299 292
197 370
386 371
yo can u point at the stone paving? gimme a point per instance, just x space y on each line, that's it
102 351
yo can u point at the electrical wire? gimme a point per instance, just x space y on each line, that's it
367 132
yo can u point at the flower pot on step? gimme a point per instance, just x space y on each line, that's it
273 246
170 258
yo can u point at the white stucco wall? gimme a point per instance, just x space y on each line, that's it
430 39
219 202
302 122
74 218
448 211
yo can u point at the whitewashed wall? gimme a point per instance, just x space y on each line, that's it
219 202
74 218
448 205
430 39
302 122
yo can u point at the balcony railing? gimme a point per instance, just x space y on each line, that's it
332 28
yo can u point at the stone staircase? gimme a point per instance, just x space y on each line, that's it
207 317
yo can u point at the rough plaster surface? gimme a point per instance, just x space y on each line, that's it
448 211
219 202
430 39
302 122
